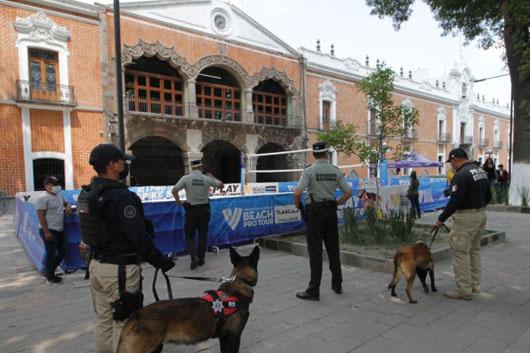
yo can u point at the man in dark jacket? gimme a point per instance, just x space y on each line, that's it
128 240
470 193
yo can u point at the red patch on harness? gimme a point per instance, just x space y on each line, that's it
455 188
227 303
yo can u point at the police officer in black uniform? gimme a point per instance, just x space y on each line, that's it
115 267
321 180
470 193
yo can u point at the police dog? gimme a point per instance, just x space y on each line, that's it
409 261
192 320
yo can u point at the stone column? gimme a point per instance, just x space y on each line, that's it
192 99
249 113
187 157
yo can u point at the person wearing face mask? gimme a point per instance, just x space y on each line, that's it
51 207
124 236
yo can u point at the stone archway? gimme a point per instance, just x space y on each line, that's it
227 63
158 162
169 54
276 75
223 160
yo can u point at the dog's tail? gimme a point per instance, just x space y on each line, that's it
397 271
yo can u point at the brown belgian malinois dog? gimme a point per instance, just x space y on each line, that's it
409 261
192 320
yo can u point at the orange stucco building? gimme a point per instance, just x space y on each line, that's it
200 80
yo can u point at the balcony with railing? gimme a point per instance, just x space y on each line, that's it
466 140
444 138
167 106
218 112
483 142
42 92
497 144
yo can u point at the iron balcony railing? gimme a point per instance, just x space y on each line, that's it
444 138
466 140
497 144
42 92
483 142
154 105
207 111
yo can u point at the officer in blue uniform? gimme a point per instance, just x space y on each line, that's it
321 180
128 240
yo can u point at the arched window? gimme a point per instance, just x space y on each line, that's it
218 95
269 103
153 86
464 90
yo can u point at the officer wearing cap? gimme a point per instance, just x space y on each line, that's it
470 193
197 207
321 180
115 272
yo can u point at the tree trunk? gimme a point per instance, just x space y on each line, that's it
515 38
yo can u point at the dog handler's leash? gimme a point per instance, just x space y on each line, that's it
435 230
168 283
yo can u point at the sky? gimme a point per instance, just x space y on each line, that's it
355 33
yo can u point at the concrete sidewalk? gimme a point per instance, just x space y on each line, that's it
36 317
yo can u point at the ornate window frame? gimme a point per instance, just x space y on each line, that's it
327 92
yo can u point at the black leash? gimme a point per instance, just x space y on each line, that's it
209 279
168 283
435 229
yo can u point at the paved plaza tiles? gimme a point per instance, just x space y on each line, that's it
40 318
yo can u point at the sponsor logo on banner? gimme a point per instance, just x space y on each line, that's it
284 214
229 190
252 217
232 217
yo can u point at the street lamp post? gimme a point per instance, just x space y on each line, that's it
119 88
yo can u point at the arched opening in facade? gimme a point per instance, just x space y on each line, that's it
269 103
154 86
218 95
44 167
271 163
223 160
158 162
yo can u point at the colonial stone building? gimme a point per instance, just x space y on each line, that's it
201 79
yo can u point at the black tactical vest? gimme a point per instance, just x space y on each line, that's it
96 231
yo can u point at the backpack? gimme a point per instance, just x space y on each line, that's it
95 230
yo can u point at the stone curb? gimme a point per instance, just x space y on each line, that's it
507 208
285 243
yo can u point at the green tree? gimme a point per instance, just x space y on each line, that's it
500 22
392 122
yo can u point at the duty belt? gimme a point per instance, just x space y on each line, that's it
323 204
201 205
116 259
470 210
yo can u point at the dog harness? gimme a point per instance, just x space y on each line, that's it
222 305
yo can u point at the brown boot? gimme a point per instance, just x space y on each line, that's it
456 294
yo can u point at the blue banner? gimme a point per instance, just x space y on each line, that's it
234 219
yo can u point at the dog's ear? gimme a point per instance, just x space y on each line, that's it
254 256
234 257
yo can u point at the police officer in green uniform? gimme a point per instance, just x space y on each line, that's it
321 180
470 193
197 207
115 267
